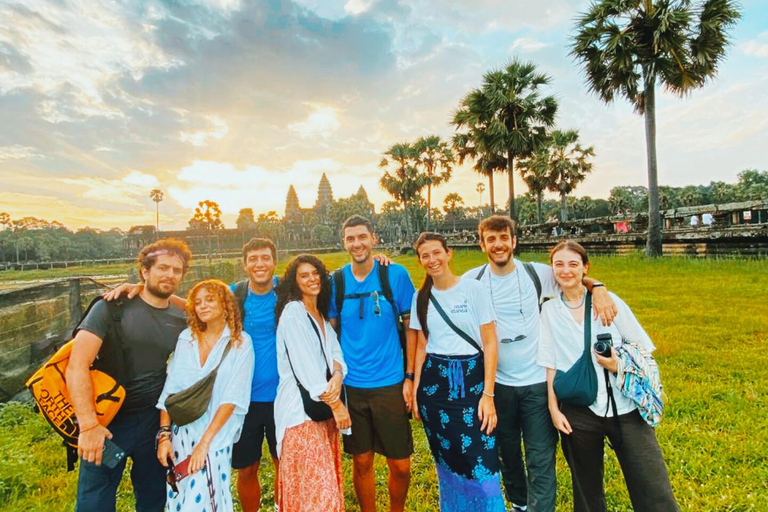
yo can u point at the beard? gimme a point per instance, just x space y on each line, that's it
502 260
157 292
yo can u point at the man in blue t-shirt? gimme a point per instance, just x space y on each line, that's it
379 392
257 298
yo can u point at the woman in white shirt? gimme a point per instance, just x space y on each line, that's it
204 446
454 381
308 355
584 429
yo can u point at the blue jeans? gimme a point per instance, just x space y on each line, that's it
134 432
524 413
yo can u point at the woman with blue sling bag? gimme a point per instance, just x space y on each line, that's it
581 362
454 381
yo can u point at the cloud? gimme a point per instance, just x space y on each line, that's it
123 191
72 53
72 213
527 45
217 131
355 7
323 122
18 152
757 47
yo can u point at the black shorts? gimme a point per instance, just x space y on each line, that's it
259 423
379 422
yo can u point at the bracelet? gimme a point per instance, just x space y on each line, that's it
410 376
597 285
84 430
488 394
339 372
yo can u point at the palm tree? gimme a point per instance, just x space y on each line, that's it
436 158
510 111
568 165
472 146
157 195
480 189
535 173
628 46
405 182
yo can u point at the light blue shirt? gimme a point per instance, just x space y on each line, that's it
371 344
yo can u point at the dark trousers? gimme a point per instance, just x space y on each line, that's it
639 457
523 413
97 485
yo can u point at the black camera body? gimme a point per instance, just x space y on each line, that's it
603 344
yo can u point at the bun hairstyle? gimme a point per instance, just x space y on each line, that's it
422 299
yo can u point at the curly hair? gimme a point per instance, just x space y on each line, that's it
288 289
229 305
149 253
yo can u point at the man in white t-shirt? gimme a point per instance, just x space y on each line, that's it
516 289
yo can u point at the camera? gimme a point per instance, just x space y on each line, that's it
603 344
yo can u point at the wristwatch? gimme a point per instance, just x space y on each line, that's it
410 376
597 284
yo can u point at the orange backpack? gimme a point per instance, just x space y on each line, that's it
49 386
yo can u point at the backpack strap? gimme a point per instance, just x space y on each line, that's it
116 335
338 281
536 281
386 290
241 294
480 274
453 326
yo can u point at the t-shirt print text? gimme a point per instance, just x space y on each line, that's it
460 308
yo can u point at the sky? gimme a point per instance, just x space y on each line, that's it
235 100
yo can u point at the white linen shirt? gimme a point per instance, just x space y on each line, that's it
468 305
184 370
294 331
516 304
561 343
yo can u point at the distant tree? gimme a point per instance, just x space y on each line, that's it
453 206
480 188
569 164
691 195
245 220
207 217
269 217
535 173
5 220
435 157
402 181
629 199
356 204
157 196
628 46
512 112
753 185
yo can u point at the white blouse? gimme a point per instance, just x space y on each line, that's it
561 344
296 337
185 370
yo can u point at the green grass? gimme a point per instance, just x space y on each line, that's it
708 320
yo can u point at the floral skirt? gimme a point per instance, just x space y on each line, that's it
209 489
467 459
310 469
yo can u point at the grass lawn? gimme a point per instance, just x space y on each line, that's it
708 319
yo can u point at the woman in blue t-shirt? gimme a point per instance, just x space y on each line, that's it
454 381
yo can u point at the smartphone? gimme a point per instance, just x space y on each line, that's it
112 454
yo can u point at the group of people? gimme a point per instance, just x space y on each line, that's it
298 359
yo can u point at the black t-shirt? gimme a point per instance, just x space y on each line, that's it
150 336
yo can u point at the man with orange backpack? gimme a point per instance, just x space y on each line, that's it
149 327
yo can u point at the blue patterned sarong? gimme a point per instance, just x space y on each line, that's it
467 459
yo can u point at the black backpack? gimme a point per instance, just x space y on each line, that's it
533 275
386 291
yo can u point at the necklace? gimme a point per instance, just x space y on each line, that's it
584 296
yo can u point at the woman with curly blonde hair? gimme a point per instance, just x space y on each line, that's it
201 451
